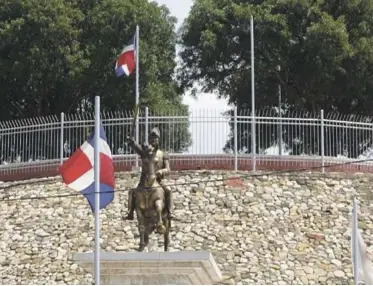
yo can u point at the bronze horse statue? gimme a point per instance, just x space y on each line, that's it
152 215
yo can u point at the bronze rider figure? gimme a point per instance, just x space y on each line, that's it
162 167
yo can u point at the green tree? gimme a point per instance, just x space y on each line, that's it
321 46
57 55
40 54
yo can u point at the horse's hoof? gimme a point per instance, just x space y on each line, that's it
129 217
141 249
161 229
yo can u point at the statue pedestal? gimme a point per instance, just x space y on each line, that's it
153 268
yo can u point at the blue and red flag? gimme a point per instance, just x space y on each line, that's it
126 61
78 171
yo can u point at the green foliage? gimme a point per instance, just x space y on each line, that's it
39 55
323 48
57 55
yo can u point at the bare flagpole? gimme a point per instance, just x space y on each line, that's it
97 190
253 133
354 242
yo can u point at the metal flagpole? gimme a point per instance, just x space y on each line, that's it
97 189
137 88
253 133
279 115
354 242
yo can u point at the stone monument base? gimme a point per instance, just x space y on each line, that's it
157 268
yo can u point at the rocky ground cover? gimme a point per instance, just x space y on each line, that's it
286 229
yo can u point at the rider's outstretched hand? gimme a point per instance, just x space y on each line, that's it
130 140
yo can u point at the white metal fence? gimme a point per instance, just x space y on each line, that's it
204 133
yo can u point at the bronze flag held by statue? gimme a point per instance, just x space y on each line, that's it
151 200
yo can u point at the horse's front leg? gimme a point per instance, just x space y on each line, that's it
141 222
166 235
159 208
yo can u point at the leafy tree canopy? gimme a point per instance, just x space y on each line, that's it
56 55
323 48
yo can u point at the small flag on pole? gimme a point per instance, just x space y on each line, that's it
362 266
78 171
126 61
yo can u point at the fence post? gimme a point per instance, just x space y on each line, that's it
146 125
235 136
322 140
61 137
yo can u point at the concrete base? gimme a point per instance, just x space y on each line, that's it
153 268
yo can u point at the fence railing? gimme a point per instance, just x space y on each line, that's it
203 134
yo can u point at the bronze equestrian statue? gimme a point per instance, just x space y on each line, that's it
151 199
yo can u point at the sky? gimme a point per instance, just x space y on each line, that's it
180 9
206 118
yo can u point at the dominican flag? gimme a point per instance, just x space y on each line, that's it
126 61
78 171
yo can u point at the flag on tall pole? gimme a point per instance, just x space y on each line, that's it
362 266
90 170
128 61
78 171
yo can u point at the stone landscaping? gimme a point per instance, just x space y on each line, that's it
289 228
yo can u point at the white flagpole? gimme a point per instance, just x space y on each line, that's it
137 88
253 134
97 190
355 244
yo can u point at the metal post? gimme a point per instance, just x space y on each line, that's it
322 140
147 125
280 117
96 156
137 89
61 137
355 244
235 137
253 133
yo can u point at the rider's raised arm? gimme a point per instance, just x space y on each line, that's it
136 146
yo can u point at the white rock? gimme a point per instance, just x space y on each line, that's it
339 273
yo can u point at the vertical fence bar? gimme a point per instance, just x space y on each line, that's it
61 136
235 138
146 125
322 140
